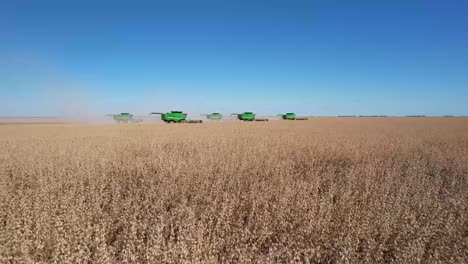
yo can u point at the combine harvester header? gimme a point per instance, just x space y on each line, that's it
248 116
175 117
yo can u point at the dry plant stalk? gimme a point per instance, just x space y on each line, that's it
327 190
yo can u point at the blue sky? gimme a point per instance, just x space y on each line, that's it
311 57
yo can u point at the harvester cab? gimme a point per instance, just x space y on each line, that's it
175 117
213 116
292 116
248 116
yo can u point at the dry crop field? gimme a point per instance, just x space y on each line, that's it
327 190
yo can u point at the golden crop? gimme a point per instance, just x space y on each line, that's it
327 190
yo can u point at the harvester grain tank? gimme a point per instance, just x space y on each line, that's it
292 116
214 116
175 117
248 116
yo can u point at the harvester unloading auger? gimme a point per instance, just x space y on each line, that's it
291 116
214 116
248 116
175 117
125 118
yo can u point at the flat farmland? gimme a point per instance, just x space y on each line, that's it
326 190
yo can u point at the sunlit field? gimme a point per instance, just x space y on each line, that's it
326 190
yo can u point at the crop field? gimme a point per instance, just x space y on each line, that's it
326 190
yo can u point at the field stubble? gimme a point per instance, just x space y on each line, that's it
327 190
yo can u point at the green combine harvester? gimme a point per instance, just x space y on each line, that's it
175 117
292 116
125 118
214 116
248 116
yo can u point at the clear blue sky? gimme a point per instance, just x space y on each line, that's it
319 57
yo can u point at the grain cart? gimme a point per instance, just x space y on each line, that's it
292 116
125 118
248 116
175 117
213 116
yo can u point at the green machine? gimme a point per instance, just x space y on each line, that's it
175 117
124 118
248 116
292 116
214 116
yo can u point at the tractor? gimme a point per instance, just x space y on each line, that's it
175 117
213 116
248 116
292 116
